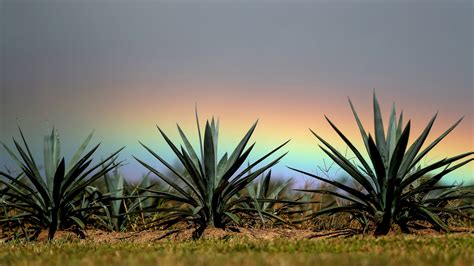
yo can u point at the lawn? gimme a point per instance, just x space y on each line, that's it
450 249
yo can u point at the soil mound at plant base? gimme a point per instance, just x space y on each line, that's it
186 234
62 235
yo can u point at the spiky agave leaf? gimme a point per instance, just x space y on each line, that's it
389 173
210 183
48 202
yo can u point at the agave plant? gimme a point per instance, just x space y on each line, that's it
122 201
268 193
7 227
110 201
140 199
449 201
388 175
209 186
272 197
49 199
5 191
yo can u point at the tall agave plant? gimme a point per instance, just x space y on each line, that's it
210 184
47 201
389 175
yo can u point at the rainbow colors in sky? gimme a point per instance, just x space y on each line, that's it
278 121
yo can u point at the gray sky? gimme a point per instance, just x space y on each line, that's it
61 60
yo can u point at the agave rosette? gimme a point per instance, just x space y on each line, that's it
49 200
209 186
389 176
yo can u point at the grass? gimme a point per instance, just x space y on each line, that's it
451 249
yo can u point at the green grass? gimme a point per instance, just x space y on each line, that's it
393 250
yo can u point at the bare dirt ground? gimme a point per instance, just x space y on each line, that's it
147 236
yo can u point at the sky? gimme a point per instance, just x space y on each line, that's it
122 67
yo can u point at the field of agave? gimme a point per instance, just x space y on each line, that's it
388 188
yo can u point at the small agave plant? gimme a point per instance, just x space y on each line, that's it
271 197
393 182
117 202
209 186
123 201
5 192
48 200
110 201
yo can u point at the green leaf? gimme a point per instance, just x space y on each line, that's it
353 149
28 163
399 153
190 149
78 221
197 210
435 142
187 163
209 158
433 218
379 130
434 179
266 184
51 158
408 159
347 166
221 166
166 179
391 134
361 127
400 125
378 164
77 155
57 182
357 194
233 217
336 194
241 146
422 171
352 208
31 160
199 134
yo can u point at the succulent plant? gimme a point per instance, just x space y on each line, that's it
388 176
274 198
48 200
209 186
